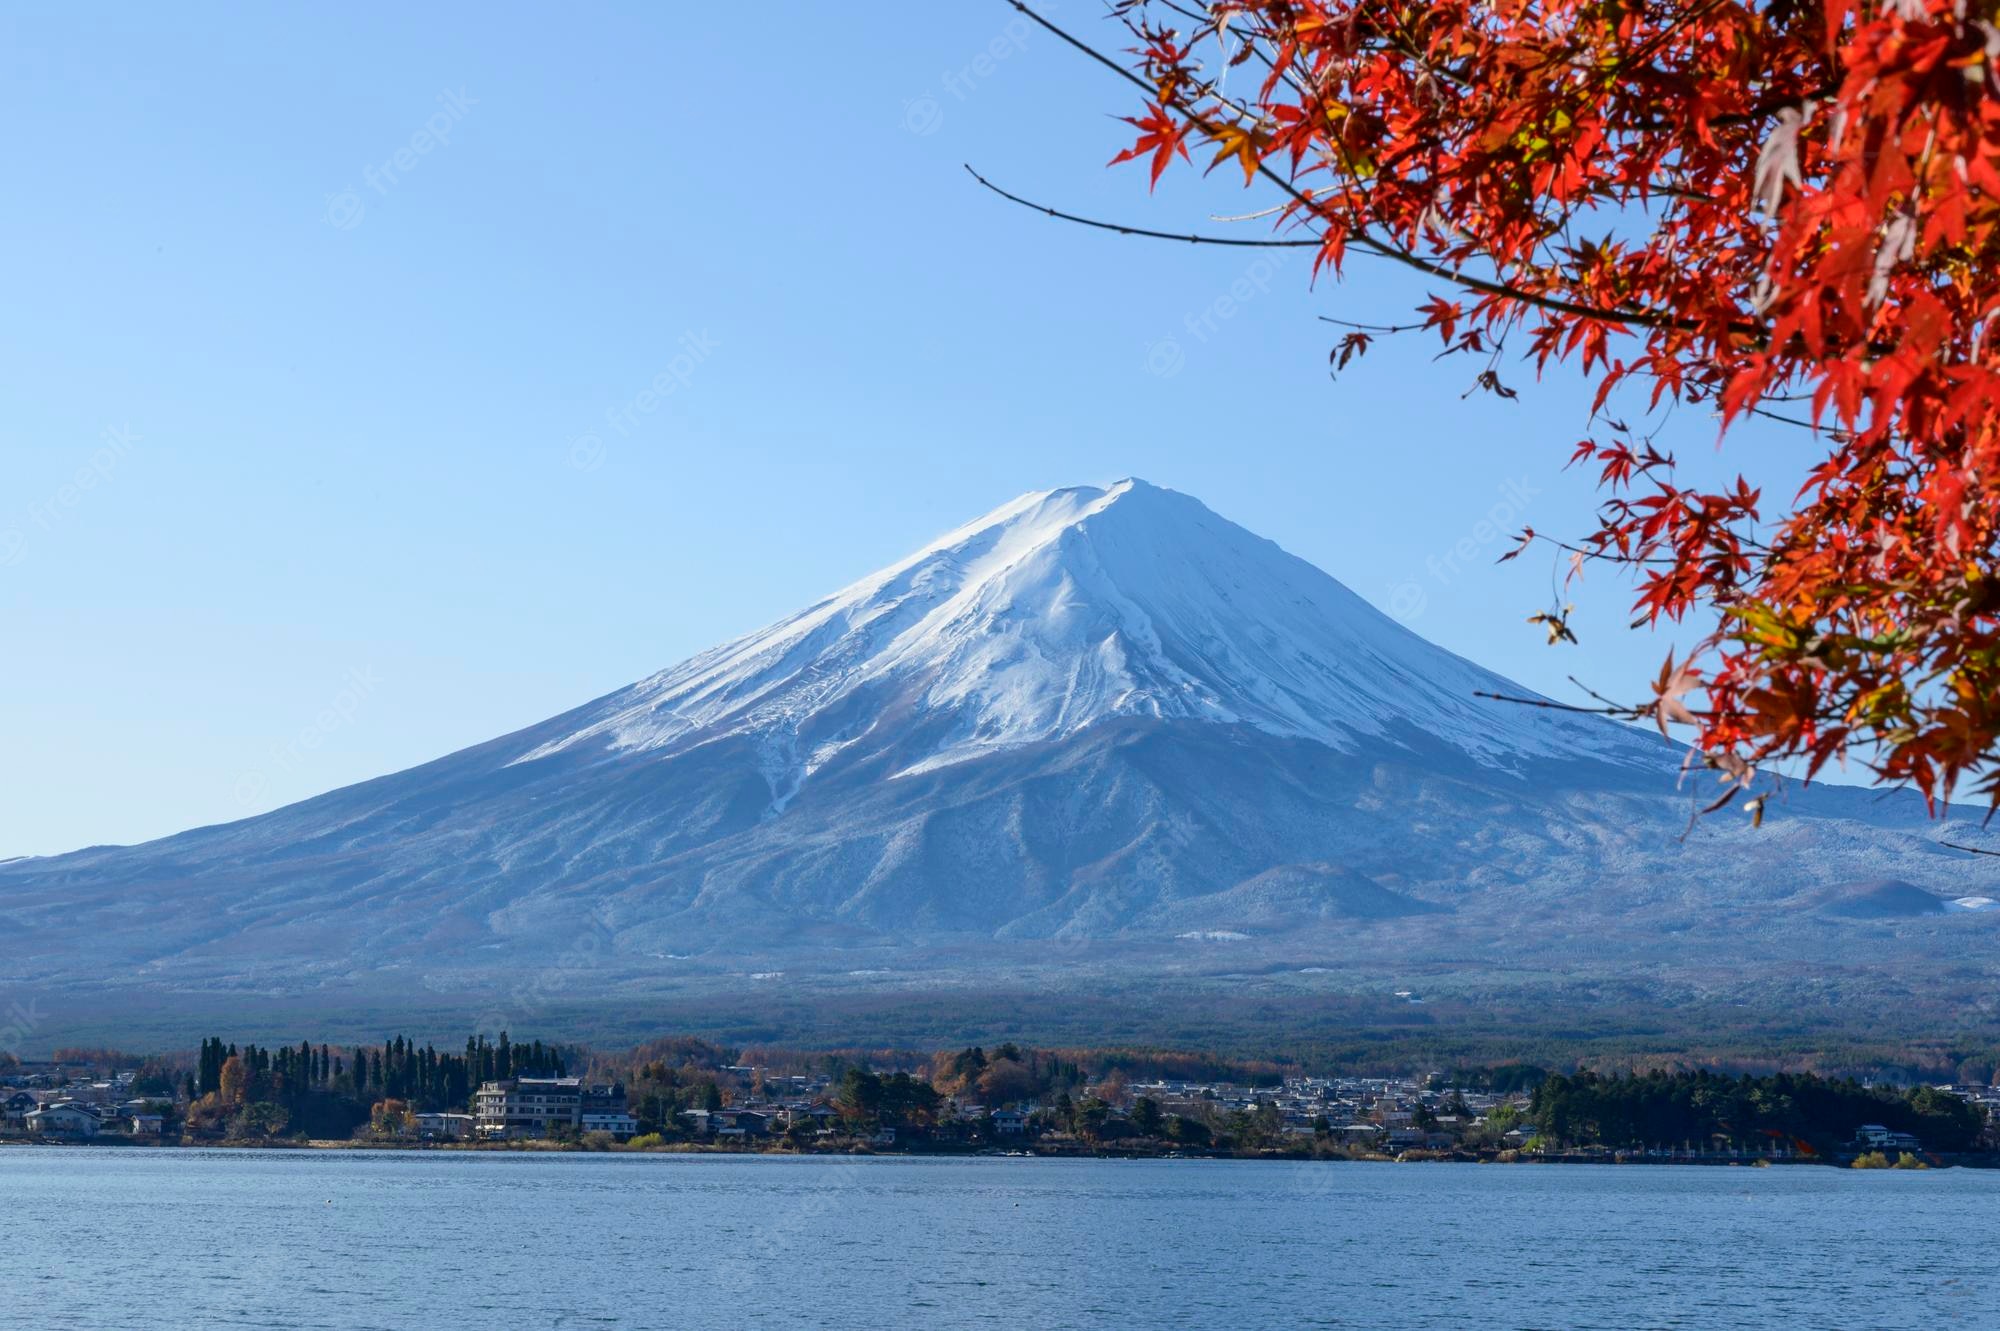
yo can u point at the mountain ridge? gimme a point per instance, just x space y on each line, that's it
1025 625
1101 720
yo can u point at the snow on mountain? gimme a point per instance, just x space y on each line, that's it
1068 607
1100 718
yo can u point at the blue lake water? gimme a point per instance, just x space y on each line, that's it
99 1238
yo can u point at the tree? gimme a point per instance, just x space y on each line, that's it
233 1081
1146 1116
1783 211
1088 1117
1005 1082
262 1119
390 1118
895 1100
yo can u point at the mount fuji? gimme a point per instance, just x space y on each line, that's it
1098 732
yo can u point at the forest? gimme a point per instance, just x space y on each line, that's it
1812 1114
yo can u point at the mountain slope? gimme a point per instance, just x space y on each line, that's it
1059 611
1101 720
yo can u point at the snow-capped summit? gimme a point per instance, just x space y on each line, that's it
1065 608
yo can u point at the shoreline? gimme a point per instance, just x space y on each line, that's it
1984 1160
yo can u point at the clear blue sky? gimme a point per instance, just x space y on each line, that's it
372 472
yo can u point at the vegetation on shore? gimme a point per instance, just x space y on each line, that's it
1813 1115
320 1091
1081 1100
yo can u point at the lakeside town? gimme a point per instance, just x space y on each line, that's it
685 1095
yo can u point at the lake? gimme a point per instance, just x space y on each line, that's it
103 1238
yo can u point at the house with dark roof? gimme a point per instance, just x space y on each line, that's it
63 1120
17 1106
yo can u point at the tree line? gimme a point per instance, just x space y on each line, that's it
1701 1107
326 1091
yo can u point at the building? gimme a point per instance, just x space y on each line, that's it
602 1109
740 1122
523 1107
1010 1122
63 1120
16 1107
1877 1137
527 1106
443 1127
818 1117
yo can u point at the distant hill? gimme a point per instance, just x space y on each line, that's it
1890 900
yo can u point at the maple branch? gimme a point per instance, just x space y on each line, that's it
1618 708
1371 328
1530 537
1248 38
1544 703
1359 238
1123 230
1837 432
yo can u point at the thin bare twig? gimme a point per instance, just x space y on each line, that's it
1124 230
1545 704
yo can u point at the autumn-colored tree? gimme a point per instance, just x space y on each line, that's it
235 1081
1113 1089
957 1072
1785 210
390 1118
1006 1081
